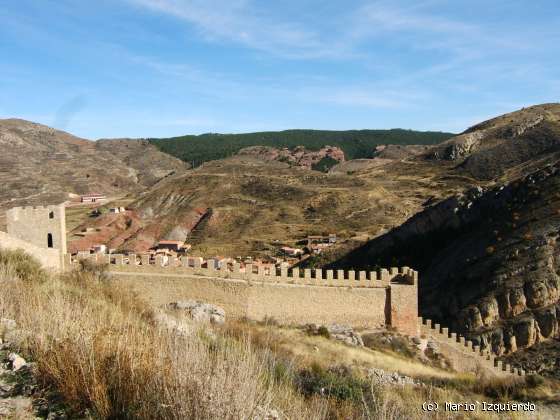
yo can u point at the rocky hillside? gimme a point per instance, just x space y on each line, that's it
40 165
489 257
503 145
299 156
399 152
245 205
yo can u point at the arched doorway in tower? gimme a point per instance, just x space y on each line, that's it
49 240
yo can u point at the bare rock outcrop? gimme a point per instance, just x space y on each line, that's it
492 148
172 324
16 362
383 378
462 145
199 311
338 332
298 156
345 334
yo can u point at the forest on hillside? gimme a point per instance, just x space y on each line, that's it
356 144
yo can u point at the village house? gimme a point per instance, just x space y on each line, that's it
317 243
292 252
319 239
92 198
117 210
99 249
318 248
176 246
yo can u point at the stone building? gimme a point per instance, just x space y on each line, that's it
40 231
92 198
44 227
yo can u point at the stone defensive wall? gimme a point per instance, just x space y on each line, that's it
363 299
463 354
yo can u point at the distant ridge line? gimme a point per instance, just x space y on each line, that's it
356 144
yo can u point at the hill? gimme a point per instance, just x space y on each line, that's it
41 165
499 147
488 257
355 143
245 205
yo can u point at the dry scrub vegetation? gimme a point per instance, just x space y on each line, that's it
101 349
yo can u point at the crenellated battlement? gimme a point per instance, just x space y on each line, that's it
365 299
466 351
41 226
33 211
253 272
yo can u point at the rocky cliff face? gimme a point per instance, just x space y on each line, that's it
489 261
298 156
494 147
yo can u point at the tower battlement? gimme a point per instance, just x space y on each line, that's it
42 226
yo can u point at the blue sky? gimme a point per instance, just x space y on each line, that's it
141 68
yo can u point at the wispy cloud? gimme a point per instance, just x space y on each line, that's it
418 27
237 21
363 96
430 27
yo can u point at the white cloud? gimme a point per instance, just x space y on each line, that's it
237 21
429 28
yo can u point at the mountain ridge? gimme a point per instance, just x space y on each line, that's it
355 143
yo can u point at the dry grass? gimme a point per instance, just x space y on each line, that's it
319 350
95 344
100 347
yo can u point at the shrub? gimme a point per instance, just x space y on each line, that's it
534 381
323 332
501 388
23 265
98 271
337 382
282 371
325 164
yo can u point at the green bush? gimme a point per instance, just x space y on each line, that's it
534 381
337 382
323 332
24 265
282 371
324 164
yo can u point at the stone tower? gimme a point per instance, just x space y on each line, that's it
44 226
